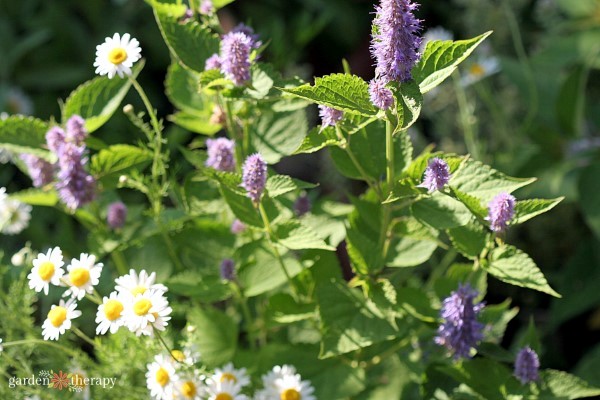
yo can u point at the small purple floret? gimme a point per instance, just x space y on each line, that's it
527 365
213 62
40 171
227 269
302 205
380 95
76 132
329 116
235 57
237 227
254 176
116 215
437 175
500 211
221 154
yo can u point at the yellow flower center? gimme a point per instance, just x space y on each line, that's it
228 377
223 396
138 290
477 70
46 270
141 307
57 316
162 377
79 276
178 355
113 309
290 394
117 55
188 389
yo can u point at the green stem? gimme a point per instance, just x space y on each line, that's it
40 341
171 249
119 261
247 315
389 154
83 336
239 156
165 345
466 119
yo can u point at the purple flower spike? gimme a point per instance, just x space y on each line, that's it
254 176
213 62
437 175
329 116
116 215
500 211
75 186
41 171
460 331
55 138
395 45
380 96
241 27
302 205
237 227
235 57
227 269
76 131
527 365
221 154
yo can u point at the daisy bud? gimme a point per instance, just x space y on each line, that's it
500 211
221 154
116 215
527 365
329 116
254 176
235 57
380 96
437 175
395 43
40 171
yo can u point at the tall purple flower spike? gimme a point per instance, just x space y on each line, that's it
500 211
227 269
254 176
75 186
437 175
221 154
527 365
235 57
460 331
395 44
41 171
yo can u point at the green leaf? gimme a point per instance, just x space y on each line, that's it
589 192
441 212
296 236
195 123
570 105
242 207
36 197
408 103
24 135
278 134
349 320
561 385
441 58
470 239
483 182
416 303
207 289
527 209
496 317
278 185
98 99
471 202
283 309
191 43
344 92
511 265
410 252
318 139
214 333
364 253
110 163
181 87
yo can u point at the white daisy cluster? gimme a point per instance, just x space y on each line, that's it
14 215
283 383
174 377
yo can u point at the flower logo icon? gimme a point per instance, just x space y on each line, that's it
59 381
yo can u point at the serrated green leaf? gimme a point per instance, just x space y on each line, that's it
318 139
36 197
441 58
496 317
408 103
296 236
278 185
98 99
527 209
471 202
207 289
24 135
441 212
417 303
364 253
110 163
511 265
181 87
214 333
349 320
561 385
410 252
344 92
242 207
469 240
192 44
283 309
195 123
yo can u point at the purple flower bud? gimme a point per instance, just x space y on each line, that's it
254 176
527 365
206 7
55 138
116 215
437 175
75 186
395 42
500 211
243 28
380 96
227 269
302 205
329 116
237 227
213 62
187 16
76 131
40 171
235 57
221 154
460 331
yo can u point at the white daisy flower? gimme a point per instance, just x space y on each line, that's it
480 69
117 55
189 387
226 390
283 383
150 310
84 274
437 33
187 356
161 378
135 284
229 373
59 319
47 268
110 314
14 215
